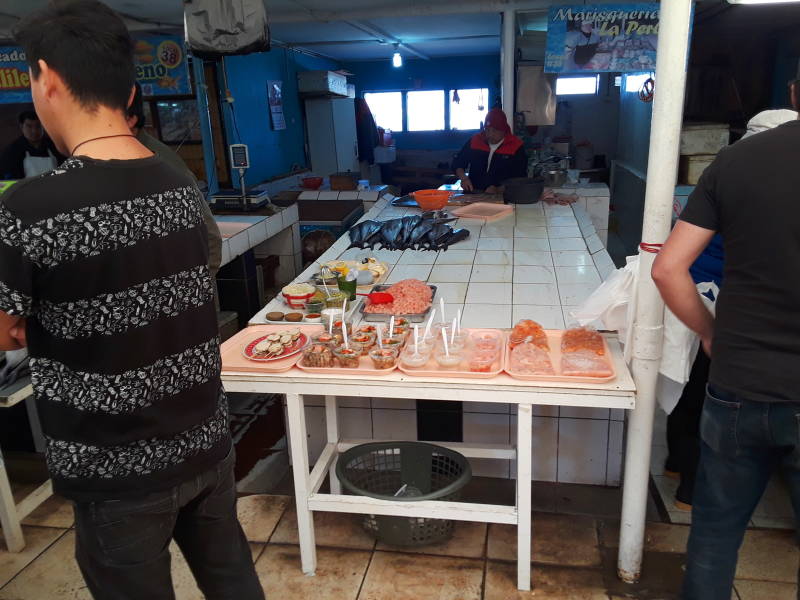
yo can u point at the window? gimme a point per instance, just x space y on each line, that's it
573 86
425 110
386 108
468 108
634 83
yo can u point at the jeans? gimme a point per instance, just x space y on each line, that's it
743 443
122 546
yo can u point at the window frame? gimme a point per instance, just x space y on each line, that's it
446 99
595 77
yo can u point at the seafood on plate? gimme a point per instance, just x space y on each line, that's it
411 296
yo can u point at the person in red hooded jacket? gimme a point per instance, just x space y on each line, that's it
491 157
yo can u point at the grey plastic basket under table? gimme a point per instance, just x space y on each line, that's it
407 472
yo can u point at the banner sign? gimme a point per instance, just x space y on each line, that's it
15 84
616 38
160 61
161 65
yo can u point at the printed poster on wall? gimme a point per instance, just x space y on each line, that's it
15 85
275 95
616 38
161 69
161 65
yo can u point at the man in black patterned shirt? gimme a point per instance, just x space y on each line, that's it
104 276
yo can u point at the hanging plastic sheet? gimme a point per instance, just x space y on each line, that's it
226 27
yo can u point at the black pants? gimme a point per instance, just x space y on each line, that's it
122 546
683 428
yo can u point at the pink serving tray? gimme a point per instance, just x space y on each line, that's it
432 369
365 367
234 360
554 339
483 210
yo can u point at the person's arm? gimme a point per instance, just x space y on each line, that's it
671 275
12 332
460 164
16 278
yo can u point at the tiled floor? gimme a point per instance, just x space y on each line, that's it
574 556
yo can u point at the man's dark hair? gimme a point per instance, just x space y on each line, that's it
136 109
87 44
28 115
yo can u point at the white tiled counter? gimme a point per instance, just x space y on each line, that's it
537 263
595 199
242 232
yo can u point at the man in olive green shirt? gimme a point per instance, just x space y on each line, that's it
169 156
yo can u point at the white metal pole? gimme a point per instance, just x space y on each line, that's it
673 48
507 63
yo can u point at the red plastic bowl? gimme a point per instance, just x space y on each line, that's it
432 199
311 183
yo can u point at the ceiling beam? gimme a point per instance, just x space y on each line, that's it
416 9
382 35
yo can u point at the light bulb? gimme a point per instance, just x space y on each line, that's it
397 60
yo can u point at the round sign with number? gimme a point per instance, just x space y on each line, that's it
170 54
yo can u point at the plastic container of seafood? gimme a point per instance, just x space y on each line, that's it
467 368
606 373
386 317
366 366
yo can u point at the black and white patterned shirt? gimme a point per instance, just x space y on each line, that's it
108 261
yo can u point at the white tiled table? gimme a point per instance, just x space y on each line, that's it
242 232
496 288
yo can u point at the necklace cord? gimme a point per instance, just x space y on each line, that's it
102 137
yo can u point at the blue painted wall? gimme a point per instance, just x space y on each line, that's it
271 152
455 72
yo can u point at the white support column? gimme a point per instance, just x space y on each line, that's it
332 425
673 48
305 518
507 63
524 476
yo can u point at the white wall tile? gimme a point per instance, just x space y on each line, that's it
545 448
563 232
239 244
594 244
348 195
486 407
598 211
394 424
413 257
487 429
605 265
329 195
226 252
616 446
573 294
584 412
582 451
394 403
355 423
603 235
308 196
562 222
368 195
274 225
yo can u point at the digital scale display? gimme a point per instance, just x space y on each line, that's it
240 158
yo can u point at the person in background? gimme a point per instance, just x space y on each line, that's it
683 424
136 121
491 157
104 276
33 153
749 426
